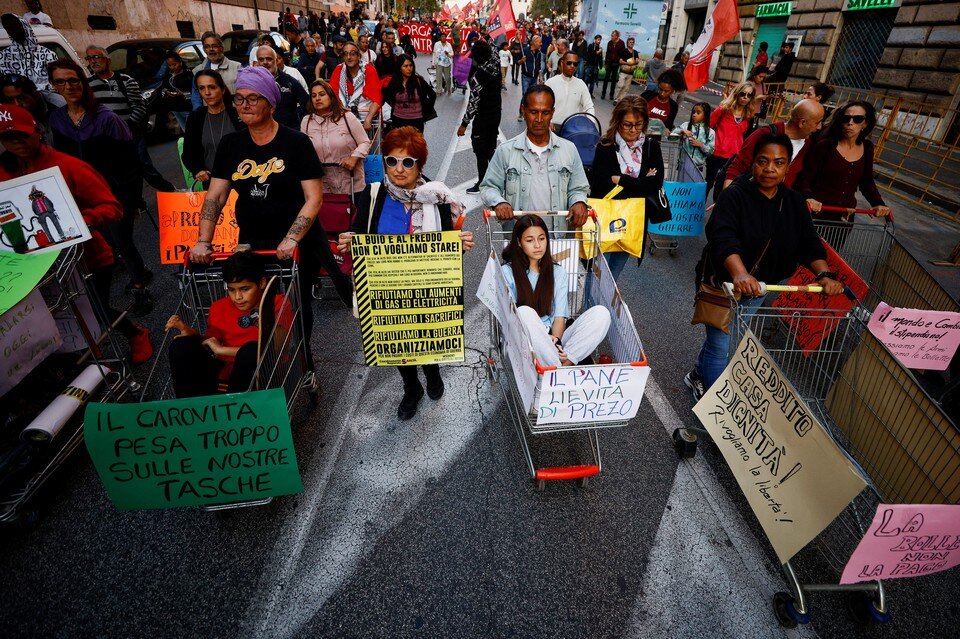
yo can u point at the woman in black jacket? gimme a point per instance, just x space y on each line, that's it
625 157
760 231
207 125
411 98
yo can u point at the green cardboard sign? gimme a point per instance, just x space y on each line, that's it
214 449
20 273
774 9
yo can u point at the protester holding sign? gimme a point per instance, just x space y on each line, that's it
207 125
402 204
27 153
539 287
626 158
760 231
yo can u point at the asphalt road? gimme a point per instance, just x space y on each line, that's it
432 527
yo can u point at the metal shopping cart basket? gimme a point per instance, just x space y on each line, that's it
672 155
283 361
907 449
90 350
523 380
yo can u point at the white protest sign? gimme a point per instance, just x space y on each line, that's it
920 339
794 476
28 335
495 295
609 393
38 214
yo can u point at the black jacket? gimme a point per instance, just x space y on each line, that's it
364 212
744 220
193 137
605 166
426 93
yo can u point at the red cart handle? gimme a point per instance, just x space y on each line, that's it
223 255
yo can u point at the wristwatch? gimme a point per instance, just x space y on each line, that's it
829 274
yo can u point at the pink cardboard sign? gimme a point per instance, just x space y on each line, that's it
906 541
918 339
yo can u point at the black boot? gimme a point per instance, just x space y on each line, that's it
408 405
434 381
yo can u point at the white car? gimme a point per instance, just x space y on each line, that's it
51 39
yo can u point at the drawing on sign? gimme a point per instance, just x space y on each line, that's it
190 452
920 339
409 297
38 214
906 540
794 476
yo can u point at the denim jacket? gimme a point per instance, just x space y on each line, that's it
509 174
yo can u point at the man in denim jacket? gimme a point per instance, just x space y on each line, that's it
536 171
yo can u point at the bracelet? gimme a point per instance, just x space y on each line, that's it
829 274
292 239
207 242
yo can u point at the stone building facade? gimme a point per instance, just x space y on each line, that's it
907 47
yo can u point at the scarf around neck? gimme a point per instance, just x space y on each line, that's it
352 100
630 157
423 200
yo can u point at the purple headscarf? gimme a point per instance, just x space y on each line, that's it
260 80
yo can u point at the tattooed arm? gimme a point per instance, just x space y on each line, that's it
209 214
313 193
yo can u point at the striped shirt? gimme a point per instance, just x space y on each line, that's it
125 101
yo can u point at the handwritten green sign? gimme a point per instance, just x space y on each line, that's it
774 9
860 5
189 452
19 273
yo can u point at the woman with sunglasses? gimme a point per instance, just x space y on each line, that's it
730 122
405 203
625 157
338 138
840 163
411 98
207 125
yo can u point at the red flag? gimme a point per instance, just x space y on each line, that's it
723 24
501 20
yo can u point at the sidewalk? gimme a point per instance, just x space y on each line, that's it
926 236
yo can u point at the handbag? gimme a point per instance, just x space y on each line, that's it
712 306
622 225
658 206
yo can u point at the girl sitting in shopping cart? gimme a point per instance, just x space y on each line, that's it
539 287
227 352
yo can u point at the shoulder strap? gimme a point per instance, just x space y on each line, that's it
760 259
374 191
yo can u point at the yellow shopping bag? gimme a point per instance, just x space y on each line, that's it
622 225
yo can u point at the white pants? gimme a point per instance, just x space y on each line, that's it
579 340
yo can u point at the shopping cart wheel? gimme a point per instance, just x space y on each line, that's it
584 481
541 484
863 610
787 615
685 443
673 252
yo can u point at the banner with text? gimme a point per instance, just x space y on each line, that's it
638 19
688 208
179 215
906 541
19 273
795 478
409 297
811 328
609 393
919 339
195 451
28 334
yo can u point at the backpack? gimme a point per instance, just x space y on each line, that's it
721 175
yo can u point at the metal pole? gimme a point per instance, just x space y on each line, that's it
213 27
743 60
256 13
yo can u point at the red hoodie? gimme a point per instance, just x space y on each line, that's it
93 196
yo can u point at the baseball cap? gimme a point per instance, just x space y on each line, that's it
16 119
338 38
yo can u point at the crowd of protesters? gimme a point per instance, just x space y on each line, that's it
284 131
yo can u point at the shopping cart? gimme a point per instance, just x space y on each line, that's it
906 447
283 359
33 448
670 148
460 73
622 348
863 242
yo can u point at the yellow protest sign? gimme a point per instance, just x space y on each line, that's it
795 477
409 297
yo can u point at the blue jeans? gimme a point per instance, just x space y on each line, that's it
580 67
590 77
715 352
526 81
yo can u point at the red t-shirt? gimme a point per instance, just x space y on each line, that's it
223 322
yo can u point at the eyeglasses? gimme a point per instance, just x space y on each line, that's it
91 58
632 126
59 82
253 99
570 63
746 94
392 161
856 119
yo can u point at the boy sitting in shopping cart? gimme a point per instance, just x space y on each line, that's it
227 351
539 286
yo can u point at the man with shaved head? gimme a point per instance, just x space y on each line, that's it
806 118
293 98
